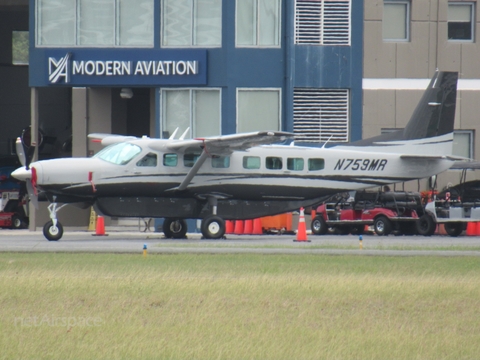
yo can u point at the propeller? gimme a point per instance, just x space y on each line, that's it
25 152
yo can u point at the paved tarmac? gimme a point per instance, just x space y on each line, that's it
122 241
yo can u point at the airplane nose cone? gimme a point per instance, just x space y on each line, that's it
22 174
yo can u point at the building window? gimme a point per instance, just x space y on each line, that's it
192 23
463 143
95 23
258 23
20 43
396 20
258 109
460 21
322 22
194 109
320 115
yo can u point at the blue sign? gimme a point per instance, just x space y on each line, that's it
117 67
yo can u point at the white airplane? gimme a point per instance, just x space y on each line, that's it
240 176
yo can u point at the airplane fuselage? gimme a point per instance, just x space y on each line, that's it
265 179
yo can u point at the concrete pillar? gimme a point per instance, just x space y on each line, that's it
79 121
34 141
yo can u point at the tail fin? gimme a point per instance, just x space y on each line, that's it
433 116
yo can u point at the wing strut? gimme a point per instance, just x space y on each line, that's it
193 171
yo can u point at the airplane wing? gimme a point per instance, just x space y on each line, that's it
222 146
225 145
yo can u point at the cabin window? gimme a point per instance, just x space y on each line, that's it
273 163
119 154
295 164
189 159
221 162
316 164
170 159
251 162
149 160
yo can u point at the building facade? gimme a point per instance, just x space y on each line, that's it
404 43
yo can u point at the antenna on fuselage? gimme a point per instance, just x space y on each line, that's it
173 135
326 142
184 134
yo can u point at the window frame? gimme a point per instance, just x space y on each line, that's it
257 26
472 20
408 17
76 30
192 130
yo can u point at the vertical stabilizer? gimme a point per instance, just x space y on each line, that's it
433 116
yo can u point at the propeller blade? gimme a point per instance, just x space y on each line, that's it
20 151
32 194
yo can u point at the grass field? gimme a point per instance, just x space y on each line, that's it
97 306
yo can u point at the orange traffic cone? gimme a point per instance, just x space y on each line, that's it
238 227
248 227
471 228
100 228
257 227
229 227
302 228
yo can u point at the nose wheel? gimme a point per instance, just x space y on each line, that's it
53 230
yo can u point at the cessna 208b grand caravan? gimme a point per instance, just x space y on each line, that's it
240 176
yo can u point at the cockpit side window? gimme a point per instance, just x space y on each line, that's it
119 154
149 160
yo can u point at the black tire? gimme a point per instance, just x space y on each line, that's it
175 228
51 233
319 225
425 225
213 227
382 226
454 229
17 222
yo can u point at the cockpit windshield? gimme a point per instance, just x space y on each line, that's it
119 154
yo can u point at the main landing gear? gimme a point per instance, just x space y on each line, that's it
212 227
53 230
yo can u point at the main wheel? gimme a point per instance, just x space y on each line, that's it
319 225
454 229
17 222
213 227
175 228
382 226
426 225
52 233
